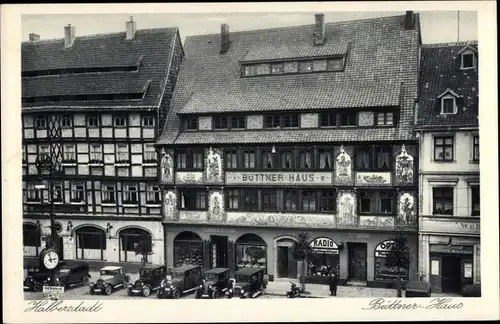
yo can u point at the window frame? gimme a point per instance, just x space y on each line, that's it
190 162
352 115
475 193
91 117
194 196
330 117
454 101
155 191
232 199
119 154
475 148
77 192
238 120
68 119
247 193
444 146
69 160
220 122
327 199
147 154
281 120
375 198
190 123
373 152
442 199
150 121
58 187
462 56
126 191
385 118
38 120
92 153
111 193
119 118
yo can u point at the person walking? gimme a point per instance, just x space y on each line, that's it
333 280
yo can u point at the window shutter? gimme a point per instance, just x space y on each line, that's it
206 254
230 257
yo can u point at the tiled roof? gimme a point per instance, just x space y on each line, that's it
151 47
440 70
381 55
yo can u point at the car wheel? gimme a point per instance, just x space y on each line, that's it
158 294
37 286
129 292
176 294
64 285
197 294
215 294
85 281
91 291
108 290
146 291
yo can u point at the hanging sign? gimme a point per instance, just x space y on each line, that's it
383 248
324 245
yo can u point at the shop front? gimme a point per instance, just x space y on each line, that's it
451 267
323 260
385 274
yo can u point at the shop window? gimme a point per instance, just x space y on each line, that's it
286 159
290 200
90 243
328 119
31 236
384 272
348 118
231 159
268 159
77 192
191 123
108 193
373 158
328 199
130 240
443 148
57 193
325 159
251 251
232 199
193 199
269 200
442 200
476 197
475 149
188 249
152 194
376 202
69 154
130 194
305 159
189 159
220 122
248 159
249 200
308 200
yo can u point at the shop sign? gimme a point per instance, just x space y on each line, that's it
279 178
214 255
189 177
429 224
383 248
324 245
458 249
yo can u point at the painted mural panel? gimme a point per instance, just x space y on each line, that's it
167 166
346 210
213 171
170 203
404 167
189 177
216 207
343 172
373 178
406 209
193 216
282 220
376 221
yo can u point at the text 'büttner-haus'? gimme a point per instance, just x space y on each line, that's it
95 104
279 131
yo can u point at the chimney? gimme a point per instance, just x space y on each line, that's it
224 38
69 35
34 37
409 20
319 29
130 27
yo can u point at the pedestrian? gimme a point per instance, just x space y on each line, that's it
333 280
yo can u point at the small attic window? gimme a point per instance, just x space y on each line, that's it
468 58
448 105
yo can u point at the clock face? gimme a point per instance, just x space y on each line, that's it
51 260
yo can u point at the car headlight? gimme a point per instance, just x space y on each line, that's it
209 287
230 290
171 286
142 283
31 279
242 291
130 285
57 279
201 286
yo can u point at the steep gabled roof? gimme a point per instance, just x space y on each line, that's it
381 70
440 71
150 49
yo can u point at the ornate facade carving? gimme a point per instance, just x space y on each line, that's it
404 167
213 171
406 209
343 172
167 166
346 209
216 207
170 203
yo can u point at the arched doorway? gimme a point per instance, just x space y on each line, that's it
90 243
251 251
32 240
188 249
286 265
132 239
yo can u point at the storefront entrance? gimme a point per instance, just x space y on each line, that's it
451 281
451 267
357 261
219 251
285 263
188 249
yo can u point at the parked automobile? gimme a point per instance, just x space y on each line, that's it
179 281
150 278
215 284
111 278
71 275
35 274
250 283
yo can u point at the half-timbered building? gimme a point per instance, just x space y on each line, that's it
95 105
277 132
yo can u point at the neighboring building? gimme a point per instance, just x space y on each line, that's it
280 131
96 103
448 132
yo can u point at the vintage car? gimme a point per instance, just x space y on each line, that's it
150 278
179 281
111 278
249 283
34 275
215 284
70 275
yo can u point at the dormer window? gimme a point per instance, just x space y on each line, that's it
448 100
467 61
468 57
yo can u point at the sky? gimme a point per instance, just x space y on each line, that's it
436 26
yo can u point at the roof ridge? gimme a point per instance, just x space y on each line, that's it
461 43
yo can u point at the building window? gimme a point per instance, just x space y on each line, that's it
468 61
308 200
305 66
328 119
248 159
231 159
448 105
193 200
57 193
43 150
69 154
476 197
277 68
272 121
325 159
319 65
189 159
376 202
290 200
249 200
232 199
263 68
281 121
150 155
130 194
191 123
291 67
443 200
120 121
152 194
475 148
268 159
95 153
290 120
33 194
220 122
24 156
40 122
347 118
148 121
305 159
335 64
443 148
77 192
238 122
327 200
122 155
373 158
92 121
286 159
108 193
66 122
385 118
269 200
